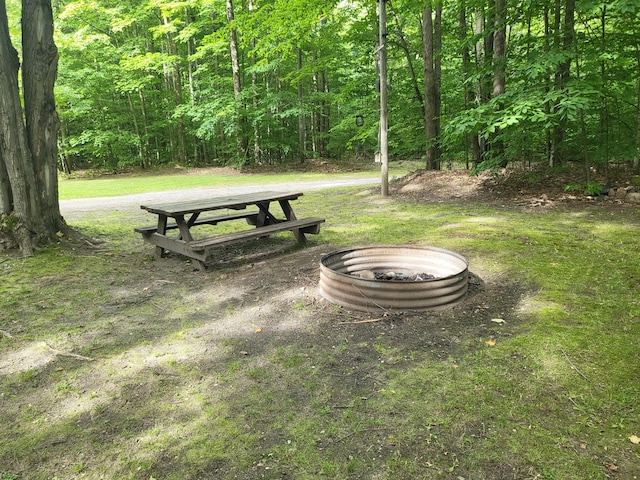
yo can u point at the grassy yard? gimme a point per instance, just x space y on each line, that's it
116 365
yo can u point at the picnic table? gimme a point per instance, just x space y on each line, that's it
176 220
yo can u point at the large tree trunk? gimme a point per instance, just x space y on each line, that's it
15 153
39 70
430 90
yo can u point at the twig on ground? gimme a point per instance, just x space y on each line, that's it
158 306
572 365
67 354
368 298
6 334
370 320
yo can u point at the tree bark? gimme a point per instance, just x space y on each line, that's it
14 147
430 91
5 190
39 71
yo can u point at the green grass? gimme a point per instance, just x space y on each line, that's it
116 185
170 394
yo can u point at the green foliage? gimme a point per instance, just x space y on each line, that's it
151 83
588 188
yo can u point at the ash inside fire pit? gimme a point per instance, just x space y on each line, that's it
394 277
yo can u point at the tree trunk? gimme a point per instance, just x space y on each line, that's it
547 87
254 98
437 69
5 190
302 134
20 183
235 71
176 86
430 108
565 41
499 61
39 70
136 129
636 160
477 143
604 105
472 138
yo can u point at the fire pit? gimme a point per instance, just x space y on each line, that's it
394 278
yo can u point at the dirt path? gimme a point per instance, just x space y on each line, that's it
72 209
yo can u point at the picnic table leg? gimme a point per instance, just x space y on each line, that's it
288 212
185 234
162 230
265 217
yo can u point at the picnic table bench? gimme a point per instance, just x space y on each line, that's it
183 216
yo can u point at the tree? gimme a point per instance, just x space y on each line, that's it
28 140
431 34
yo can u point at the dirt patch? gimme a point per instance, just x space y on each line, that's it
536 188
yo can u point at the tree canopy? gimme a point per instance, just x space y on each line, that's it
201 82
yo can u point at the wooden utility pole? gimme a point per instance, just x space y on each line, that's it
382 52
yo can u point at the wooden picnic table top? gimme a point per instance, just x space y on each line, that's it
234 202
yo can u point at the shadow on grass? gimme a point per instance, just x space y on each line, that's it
246 373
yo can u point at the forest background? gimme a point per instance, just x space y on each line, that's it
471 82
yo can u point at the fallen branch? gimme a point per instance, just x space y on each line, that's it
67 354
572 365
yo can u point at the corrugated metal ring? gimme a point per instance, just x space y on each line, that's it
341 284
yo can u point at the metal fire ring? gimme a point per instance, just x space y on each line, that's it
342 282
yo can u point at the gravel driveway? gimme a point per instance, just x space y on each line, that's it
71 209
